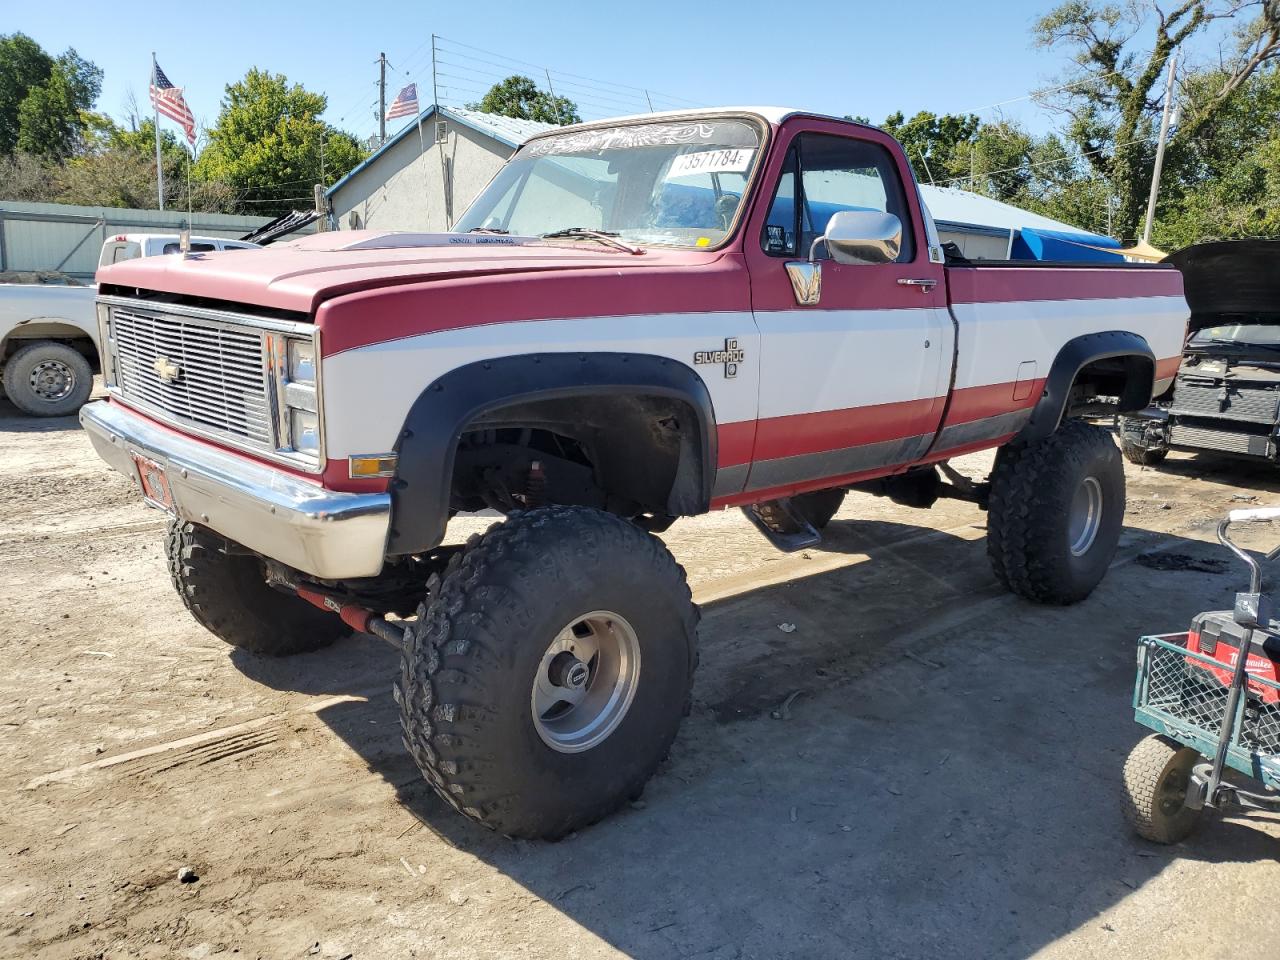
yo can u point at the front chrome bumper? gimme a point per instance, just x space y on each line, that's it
327 534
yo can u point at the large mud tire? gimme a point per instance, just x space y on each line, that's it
48 379
478 647
1155 783
229 596
1038 545
819 506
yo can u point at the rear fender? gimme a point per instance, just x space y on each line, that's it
1077 354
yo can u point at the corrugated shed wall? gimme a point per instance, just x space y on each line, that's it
65 237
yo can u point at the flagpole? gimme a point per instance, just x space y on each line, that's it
156 115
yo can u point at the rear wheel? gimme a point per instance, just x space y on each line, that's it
229 596
1156 777
546 675
48 379
819 506
1055 513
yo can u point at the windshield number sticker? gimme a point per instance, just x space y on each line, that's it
733 160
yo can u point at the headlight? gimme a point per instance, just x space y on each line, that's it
304 432
107 345
298 408
302 361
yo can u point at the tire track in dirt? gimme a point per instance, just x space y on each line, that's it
263 733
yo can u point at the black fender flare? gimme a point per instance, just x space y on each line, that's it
428 441
1074 356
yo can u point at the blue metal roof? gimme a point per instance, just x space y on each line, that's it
506 130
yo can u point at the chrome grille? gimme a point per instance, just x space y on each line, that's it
221 385
1251 404
1182 435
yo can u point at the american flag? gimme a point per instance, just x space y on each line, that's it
405 104
167 99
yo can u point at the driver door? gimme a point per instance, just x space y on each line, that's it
855 383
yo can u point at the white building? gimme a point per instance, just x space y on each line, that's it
425 176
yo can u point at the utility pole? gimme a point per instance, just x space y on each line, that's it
382 99
1164 133
322 208
435 96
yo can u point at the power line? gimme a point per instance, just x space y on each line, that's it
1041 93
1046 163
563 73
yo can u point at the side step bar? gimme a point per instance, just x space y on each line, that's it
783 525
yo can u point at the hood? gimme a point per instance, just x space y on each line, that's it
1230 279
298 276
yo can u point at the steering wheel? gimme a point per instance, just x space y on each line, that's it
725 207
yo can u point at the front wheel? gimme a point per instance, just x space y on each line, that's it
229 596
1136 452
1055 513
548 671
1156 777
1140 455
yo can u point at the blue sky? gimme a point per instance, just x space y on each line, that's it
855 57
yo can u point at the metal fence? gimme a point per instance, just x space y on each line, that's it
67 238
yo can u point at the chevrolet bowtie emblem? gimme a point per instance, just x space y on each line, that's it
166 369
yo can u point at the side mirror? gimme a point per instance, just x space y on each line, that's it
861 237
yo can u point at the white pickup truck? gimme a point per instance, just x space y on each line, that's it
49 329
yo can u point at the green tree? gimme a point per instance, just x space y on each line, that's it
932 141
519 97
1227 183
1119 55
271 146
43 98
118 169
23 65
25 177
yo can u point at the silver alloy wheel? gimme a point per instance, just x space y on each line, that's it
586 681
1085 517
52 380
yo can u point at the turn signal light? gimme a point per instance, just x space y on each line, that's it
375 465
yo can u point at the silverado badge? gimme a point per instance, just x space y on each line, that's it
167 370
730 356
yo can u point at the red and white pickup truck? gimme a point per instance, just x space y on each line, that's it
636 320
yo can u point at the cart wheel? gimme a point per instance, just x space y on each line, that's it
1155 781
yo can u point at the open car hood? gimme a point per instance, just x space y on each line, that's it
1230 280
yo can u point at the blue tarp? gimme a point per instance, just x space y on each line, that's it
1030 244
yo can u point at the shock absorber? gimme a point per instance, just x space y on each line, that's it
535 486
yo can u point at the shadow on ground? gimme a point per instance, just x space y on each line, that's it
946 783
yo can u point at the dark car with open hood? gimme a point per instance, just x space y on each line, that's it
1226 396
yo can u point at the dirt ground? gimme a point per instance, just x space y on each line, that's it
943 782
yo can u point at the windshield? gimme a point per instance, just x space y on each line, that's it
1257 334
664 183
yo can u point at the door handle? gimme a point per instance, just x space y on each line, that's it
925 284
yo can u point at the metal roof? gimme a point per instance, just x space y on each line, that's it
506 130
949 205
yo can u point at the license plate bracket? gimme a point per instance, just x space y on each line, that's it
154 480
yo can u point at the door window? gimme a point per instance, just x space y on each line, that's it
824 175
